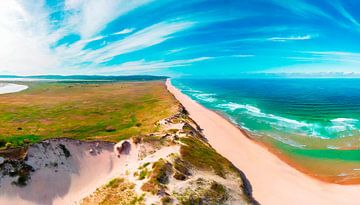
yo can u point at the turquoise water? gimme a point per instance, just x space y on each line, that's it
318 118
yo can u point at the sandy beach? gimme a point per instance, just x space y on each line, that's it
273 181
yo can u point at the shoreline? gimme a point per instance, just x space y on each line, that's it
273 150
287 159
263 168
7 88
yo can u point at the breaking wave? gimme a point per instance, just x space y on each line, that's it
261 122
335 127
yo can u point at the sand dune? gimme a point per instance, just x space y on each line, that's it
273 181
58 179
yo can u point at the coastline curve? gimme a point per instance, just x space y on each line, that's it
273 181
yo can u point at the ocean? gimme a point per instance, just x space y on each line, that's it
313 124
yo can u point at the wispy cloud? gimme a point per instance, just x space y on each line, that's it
147 66
87 36
291 38
334 57
339 56
300 7
124 31
145 38
308 10
26 28
242 56
91 16
336 53
354 23
177 50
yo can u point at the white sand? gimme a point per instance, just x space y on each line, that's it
90 166
75 177
6 88
273 181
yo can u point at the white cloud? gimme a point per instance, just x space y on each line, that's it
24 37
147 37
307 10
91 16
354 24
124 31
322 61
177 50
242 55
336 56
75 56
147 66
336 53
328 57
290 38
27 35
300 7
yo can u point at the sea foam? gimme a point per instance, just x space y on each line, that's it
205 97
334 127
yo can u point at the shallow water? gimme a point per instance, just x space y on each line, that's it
6 88
305 119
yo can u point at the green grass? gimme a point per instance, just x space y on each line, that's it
159 176
117 191
143 174
114 183
202 156
214 193
87 111
18 141
143 171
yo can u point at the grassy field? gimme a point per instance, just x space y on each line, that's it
89 111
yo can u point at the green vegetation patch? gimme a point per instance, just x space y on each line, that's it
143 172
18 141
117 192
203 192
161 170
201 155
182 169
89 111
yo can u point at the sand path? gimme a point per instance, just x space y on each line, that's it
273 181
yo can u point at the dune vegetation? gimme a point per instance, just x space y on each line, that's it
109 111
167 161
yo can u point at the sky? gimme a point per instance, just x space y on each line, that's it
179 38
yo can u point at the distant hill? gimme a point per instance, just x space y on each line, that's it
89 77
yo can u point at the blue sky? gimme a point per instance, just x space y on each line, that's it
179 38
